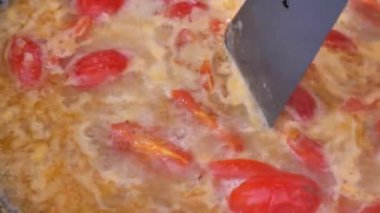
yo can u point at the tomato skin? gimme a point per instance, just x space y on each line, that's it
308 151
239 169
276 193
25 59
217 26
184 8
337 41
127 136
96 68
353 104
95 8
184 37
184 99
81 27
374 208
301 105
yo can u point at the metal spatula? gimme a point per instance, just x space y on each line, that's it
274 41
4 4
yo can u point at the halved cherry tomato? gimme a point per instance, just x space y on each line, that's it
239 169
81 27
275 193
301 105
96 7
185 36
132 137
353 105
206 75
308 151
184 8
337 41
184 99
217 26
98 67
368 10
25 60
375 208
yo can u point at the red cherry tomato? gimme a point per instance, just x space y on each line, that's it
184 99
337 41
301 105
369 10
81 27
96 7
353 105
25 61
239 169
308 151
184 37
375 208
276 193
128 136
184 8
217 26
98 67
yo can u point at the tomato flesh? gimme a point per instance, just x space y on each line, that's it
276 193
184 8
25 59
95 8
184 37
239 169
216 26
353 105
308 151
301 105
98 67
337 41
81 27
185 99
375 208
129 136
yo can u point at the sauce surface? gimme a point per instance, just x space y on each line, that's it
135 106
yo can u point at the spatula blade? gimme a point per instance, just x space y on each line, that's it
274 41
